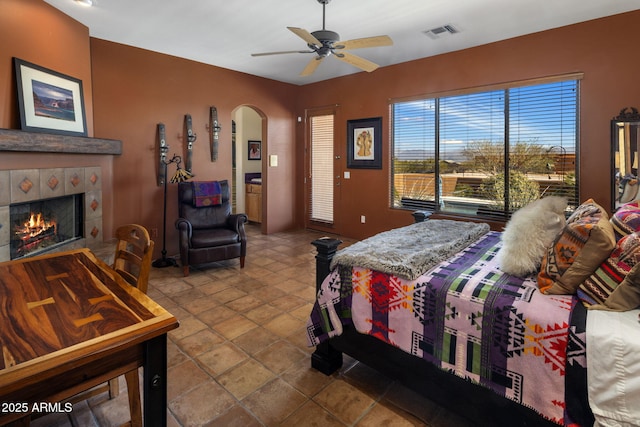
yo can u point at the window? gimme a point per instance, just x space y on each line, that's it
486 153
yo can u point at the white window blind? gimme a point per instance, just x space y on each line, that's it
321 206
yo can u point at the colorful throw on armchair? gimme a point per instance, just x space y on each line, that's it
206 193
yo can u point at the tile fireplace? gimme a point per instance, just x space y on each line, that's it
42 225
43 210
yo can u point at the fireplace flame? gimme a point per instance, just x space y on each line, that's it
35 226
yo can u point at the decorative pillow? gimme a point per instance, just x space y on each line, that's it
529 233
585 242
601 284
626 219
626 296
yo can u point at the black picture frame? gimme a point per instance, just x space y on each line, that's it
254 150
49 101
364 143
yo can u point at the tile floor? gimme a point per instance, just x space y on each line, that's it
239 357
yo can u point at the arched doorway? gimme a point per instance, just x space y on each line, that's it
249 172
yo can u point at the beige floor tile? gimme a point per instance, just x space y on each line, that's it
202 404
237 416
344 401
280 356
288 302
312 415
274 402
200 342
221 358
184 377
216 315
263 314
306 379
380 415
302 312
228 295
255 340
188 326
244 304
284 325
175 355
234 327
246 378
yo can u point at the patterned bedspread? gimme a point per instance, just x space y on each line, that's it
467 317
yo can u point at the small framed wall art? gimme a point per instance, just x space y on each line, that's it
364 143
49 101
255 150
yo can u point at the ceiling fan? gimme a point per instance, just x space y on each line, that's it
326 43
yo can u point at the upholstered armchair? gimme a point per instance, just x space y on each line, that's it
208 231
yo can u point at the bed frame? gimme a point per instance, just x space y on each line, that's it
481 406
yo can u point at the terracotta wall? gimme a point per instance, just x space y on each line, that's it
135 89
36 32
602 49
128 91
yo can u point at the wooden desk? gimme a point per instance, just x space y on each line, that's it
68 322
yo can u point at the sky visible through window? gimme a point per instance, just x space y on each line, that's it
465 137
539 114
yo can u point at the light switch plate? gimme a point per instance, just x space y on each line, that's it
273 160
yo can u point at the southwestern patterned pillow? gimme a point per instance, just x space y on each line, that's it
626 296
585 242
626 220
601 284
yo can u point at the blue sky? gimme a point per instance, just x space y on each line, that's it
542 114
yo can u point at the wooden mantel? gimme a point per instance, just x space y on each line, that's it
17 140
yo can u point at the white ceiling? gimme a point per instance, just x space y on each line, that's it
226 32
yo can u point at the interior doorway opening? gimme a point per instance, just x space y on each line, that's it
248 176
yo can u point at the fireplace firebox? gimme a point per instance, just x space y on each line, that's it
42 225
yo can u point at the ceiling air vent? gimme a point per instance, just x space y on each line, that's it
439 32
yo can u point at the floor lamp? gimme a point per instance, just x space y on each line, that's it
181 175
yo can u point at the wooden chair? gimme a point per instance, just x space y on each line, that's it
132 262
133 255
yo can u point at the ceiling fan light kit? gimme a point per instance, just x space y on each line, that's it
325 43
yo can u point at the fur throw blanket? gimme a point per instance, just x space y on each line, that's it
410 251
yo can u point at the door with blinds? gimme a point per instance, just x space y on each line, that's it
321 186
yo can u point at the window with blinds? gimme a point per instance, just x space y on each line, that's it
486 153
321 203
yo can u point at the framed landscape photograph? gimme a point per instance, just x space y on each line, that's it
49 101
364 143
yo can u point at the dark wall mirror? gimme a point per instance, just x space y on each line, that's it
625 139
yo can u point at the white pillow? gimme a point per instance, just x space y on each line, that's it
531 230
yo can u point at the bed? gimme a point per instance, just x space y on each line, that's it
485 344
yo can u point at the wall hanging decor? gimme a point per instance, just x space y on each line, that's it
364 143
214 132
49 101
254 148
191 138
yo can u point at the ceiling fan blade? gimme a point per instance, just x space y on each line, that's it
357 61
282 53
311 66
305 35
364 42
